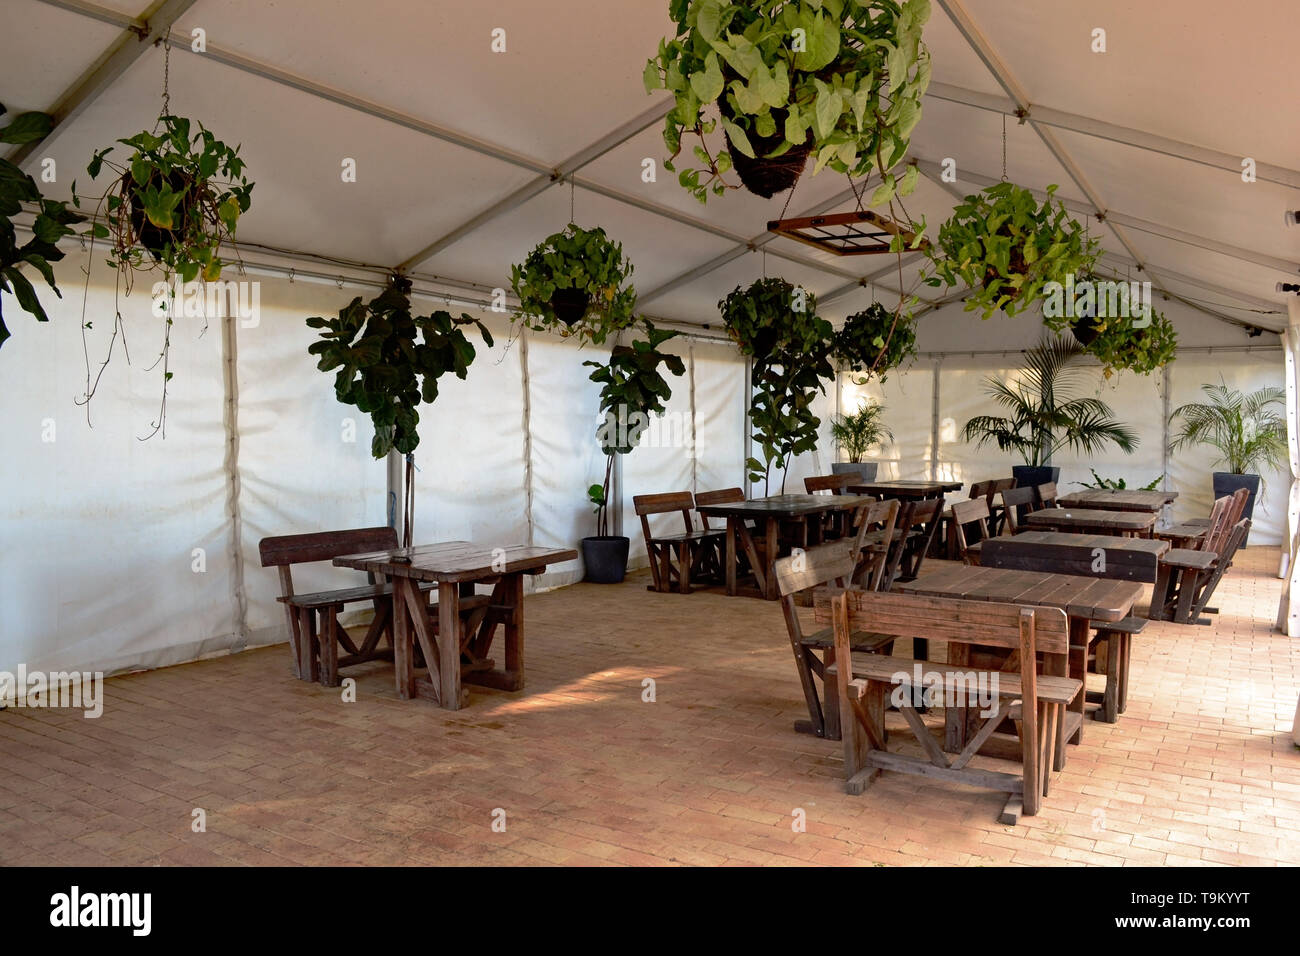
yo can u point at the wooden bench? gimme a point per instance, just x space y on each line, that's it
863 684
315 634
1189 576
673 557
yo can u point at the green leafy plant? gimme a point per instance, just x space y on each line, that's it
859 431
777 325
1043 419
1248 430
173 203
389 361
632 389
1005 245
841 79
875 341
1117 340
1115 484
575 282
53 221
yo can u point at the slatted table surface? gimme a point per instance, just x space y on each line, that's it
456 566
1092 521
905 489
1118 499
1136 559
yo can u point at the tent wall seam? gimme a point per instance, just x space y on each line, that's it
230 424
528 434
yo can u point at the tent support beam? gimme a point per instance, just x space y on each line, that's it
105 71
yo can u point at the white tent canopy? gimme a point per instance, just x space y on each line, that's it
465 159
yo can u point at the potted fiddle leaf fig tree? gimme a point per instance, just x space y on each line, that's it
1042 417
777 326
575 282
53 221
839 80
1006 246
1247 430
389 362
632 389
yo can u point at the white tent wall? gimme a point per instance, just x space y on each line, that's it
117 552
907 395
720 404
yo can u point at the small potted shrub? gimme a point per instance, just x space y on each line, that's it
1005 245
1042 418
1248 430
632 389
173 203
575 282
841 81
856 433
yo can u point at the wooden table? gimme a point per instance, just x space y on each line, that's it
1118 499
768 513
1132 559
456 567
1082 599
1093 521
905 490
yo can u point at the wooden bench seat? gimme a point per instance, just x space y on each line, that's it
901 671
1187 558
365 592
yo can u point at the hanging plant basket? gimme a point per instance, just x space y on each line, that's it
872 343
575 282
153 238
767 175
1086 329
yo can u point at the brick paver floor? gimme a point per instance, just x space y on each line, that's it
584 770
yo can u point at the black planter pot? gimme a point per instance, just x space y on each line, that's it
605 558
766 176
569 305
1225 483
1031 476
1086 330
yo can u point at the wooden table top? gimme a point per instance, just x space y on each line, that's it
1109 542
1096 599
785 506
1118 499
456 561
906 488
1092 518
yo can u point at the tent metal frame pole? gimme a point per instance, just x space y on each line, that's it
1100 129
864 281
106 70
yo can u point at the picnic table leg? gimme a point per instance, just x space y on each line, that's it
731 557
768 584
1080 632
449 645
1160 593
403 655
329 648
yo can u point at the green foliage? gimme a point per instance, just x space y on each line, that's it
383 369
850 86
778 327
632 390
1042 418
53 221
174 203
1005 245
1249 430
875 341
861 430
580 259
1116 484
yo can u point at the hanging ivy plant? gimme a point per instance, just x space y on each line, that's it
838 79
1119 344
173 203
389 361
54 220
1005 245
575 282
875 341
777 325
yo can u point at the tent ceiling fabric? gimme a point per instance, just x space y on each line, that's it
555 94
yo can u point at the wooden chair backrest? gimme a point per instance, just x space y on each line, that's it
947 619
821 564
1046 494
879 516
723 496
1120 564
835 484
281 551
924 511
1216 534
983 489
974 511
1017 502
647 505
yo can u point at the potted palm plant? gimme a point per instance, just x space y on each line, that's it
855 434
632 389
1248 430
1043 419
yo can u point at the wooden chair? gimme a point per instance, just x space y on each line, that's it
875 528
721 497
970 529
832 563
1045 495
834 524
1016 503
315 634
674 557
1188 578
919 521
864 682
